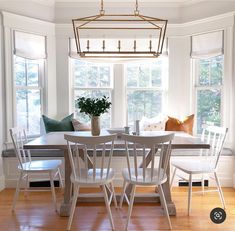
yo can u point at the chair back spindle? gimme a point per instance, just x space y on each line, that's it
139 146
215 136
90 157
19 138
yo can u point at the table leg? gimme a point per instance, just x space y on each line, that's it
165 186
66 204
167 193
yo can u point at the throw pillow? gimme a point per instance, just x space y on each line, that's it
78 126
174 124
160 126
157 123
52 125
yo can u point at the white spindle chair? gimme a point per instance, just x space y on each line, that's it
28 167
92 171
206 164
145 176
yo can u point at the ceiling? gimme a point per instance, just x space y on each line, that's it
114 2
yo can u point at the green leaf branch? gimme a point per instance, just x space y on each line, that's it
93 106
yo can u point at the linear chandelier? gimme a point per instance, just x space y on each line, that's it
119 35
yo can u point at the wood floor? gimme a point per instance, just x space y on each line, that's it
35 213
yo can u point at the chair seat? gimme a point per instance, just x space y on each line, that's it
194 166
87 177
139 180
40 165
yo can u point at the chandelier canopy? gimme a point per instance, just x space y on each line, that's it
119 35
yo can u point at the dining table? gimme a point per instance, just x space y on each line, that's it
55 140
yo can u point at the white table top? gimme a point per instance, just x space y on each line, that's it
55 140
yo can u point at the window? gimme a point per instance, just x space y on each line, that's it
28 75
29 72
146 89
209 90
92 80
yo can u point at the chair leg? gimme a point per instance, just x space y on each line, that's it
53 190
220 190
163 200
189 193
172 179
130 206
114 195
60 178
17 191
73 206
123 193
26 185
108 206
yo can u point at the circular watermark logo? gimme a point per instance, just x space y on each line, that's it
218 215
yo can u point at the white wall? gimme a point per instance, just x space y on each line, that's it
29 8
179 92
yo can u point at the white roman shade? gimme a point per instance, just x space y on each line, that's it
207 45
29 46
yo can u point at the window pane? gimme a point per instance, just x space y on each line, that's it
80 74
28 110
132 76
93 80
33 74
204 73
208 108
143 103
156 74
105 80
144 76
20 71
216 72
105 118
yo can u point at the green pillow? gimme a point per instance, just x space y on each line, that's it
52 125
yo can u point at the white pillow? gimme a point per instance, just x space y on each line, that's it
157 123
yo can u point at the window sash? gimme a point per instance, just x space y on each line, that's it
198 87
39 88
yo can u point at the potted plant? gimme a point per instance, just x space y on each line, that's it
93 107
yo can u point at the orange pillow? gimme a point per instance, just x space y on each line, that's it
186 125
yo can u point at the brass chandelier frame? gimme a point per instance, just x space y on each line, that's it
85 23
